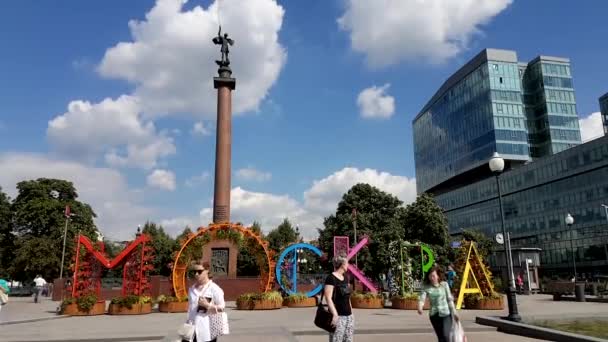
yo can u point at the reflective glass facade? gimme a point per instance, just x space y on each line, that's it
494 104
550 106
604 110
536 199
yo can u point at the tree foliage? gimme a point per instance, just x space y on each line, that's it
7 245
483 243
246 264
164 247
383 218
379 216
282 236
38 223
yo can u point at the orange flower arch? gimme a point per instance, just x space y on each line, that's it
179 269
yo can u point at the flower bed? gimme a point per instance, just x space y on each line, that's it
494 302
367 301
408 302
300 300
172 304
130 305
259 301
86 305
98 308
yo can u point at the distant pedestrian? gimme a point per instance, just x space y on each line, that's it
40 283
442 310
520 283
4 291
451 276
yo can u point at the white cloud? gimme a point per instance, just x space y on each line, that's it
324 195
111 127
197 180
320 200
200 129
162 179
268 209
175 226
171 57
374 102
117 207
391 31
251 174
591 126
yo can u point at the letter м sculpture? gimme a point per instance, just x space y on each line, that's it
224 84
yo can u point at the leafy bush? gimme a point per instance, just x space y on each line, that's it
171 299
84 302
297 297
366 295
130 300
408 296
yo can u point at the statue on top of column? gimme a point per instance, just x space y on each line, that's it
224 41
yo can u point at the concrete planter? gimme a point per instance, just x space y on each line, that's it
173 307
72 310
136 309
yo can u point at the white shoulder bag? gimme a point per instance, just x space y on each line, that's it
218 324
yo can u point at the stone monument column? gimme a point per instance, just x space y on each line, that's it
224 84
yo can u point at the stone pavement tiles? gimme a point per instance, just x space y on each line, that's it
279 325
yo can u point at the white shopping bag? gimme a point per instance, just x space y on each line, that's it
457 333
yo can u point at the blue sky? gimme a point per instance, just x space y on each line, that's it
113 106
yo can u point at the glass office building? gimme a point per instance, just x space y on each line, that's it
536 199
604 110
527 113
494 104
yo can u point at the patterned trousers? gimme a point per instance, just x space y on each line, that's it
345 330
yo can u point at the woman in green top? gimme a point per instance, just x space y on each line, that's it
442 304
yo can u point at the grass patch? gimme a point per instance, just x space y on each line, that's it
589 327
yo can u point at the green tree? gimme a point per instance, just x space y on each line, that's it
483 243
38 225
7 246
378 216
247 265
282 236
425 221
164 247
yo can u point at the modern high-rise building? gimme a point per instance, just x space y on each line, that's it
527 113
604 110
494 103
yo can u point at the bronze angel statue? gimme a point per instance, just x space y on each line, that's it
224 42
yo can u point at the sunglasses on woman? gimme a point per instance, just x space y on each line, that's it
197 271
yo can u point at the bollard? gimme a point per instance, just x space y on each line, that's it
579 291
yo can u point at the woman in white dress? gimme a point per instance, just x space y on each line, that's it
205 298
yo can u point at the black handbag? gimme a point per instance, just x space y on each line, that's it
323 317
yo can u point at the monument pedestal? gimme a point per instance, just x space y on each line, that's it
221 256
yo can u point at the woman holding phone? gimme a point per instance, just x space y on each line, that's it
205 298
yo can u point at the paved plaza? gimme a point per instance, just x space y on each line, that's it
280 325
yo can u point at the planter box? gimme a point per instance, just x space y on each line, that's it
372 303
72 310
136 309
487 304
307 303
259 305
173 307
263 304
408 304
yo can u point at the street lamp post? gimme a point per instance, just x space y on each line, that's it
497 165
569 222
354 214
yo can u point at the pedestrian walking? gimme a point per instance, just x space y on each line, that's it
39 282
337 293
442 310
206 306
451 276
